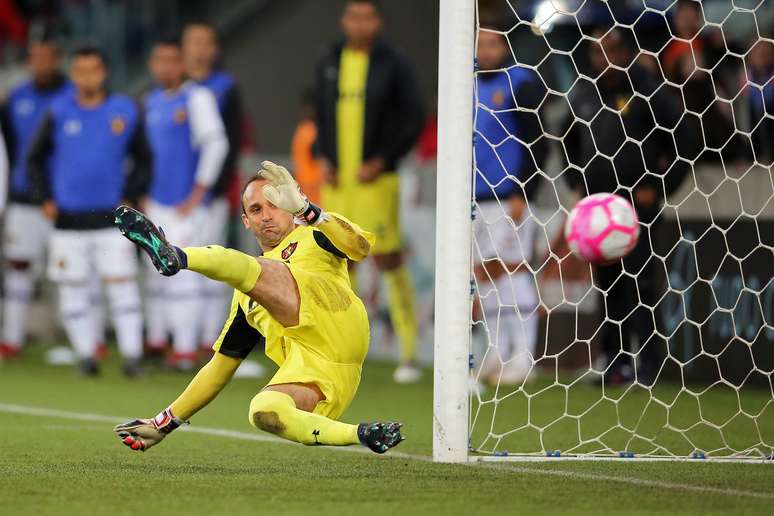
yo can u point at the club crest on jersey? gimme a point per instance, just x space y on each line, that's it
24 107
117 125
180 116
289 250
72 127
498 98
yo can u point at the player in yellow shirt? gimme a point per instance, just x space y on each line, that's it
297 297
369 115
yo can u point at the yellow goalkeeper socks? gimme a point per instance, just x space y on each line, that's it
234 268
400 298
276 412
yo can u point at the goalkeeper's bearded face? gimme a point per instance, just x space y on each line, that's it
269 224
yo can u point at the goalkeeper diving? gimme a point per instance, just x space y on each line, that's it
296 298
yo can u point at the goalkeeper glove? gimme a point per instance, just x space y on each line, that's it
141 434
284 193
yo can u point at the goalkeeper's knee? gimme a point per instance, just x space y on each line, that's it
271 411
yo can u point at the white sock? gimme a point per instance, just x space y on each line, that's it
155 318
215 310
517 348
183 309
126 314
18 291
78 317
98 307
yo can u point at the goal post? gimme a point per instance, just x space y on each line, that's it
666 353
453 236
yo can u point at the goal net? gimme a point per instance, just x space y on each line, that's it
668 353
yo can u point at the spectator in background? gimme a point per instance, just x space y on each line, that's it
26 229
189 146
305 166
644 172
201 54
508 149
684 63
77 170
369 114
760 92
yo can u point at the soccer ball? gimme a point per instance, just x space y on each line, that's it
602 228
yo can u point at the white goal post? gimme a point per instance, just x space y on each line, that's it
698 381
453 237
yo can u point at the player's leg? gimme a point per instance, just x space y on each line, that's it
69 266
25 240
520 330
183 304
215 295
116 264
18 283
100 317
269 282
384 193
287 410
156 331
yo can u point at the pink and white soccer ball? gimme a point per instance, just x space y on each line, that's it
602 228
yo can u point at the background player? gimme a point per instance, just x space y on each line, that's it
86 137
189 145
361 138
297 296
504 228
26 228
201 54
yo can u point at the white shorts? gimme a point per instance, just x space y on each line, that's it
76 255
27 232
181 231
498 236
215 228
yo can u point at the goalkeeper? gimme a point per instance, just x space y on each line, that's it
297 297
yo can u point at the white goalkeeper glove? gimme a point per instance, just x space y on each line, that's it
284 193
141 434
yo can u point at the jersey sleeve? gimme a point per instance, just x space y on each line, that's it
208 135
238 338
346 236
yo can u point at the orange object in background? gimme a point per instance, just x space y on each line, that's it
305 166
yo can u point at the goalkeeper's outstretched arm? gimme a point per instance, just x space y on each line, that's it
283 192
141 434
205 386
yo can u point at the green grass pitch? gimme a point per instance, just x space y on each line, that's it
62 465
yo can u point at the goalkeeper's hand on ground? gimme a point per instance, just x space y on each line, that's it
284 193
141 434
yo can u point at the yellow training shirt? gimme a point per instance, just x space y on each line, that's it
350 113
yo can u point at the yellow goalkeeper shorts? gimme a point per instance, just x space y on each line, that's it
328 345
338 382
374 206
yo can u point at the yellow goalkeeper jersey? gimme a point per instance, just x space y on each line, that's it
329 344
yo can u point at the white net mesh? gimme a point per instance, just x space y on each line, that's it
670 352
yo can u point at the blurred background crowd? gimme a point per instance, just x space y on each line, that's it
344 94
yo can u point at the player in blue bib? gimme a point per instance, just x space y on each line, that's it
189 146
26 231
201 55
77 168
